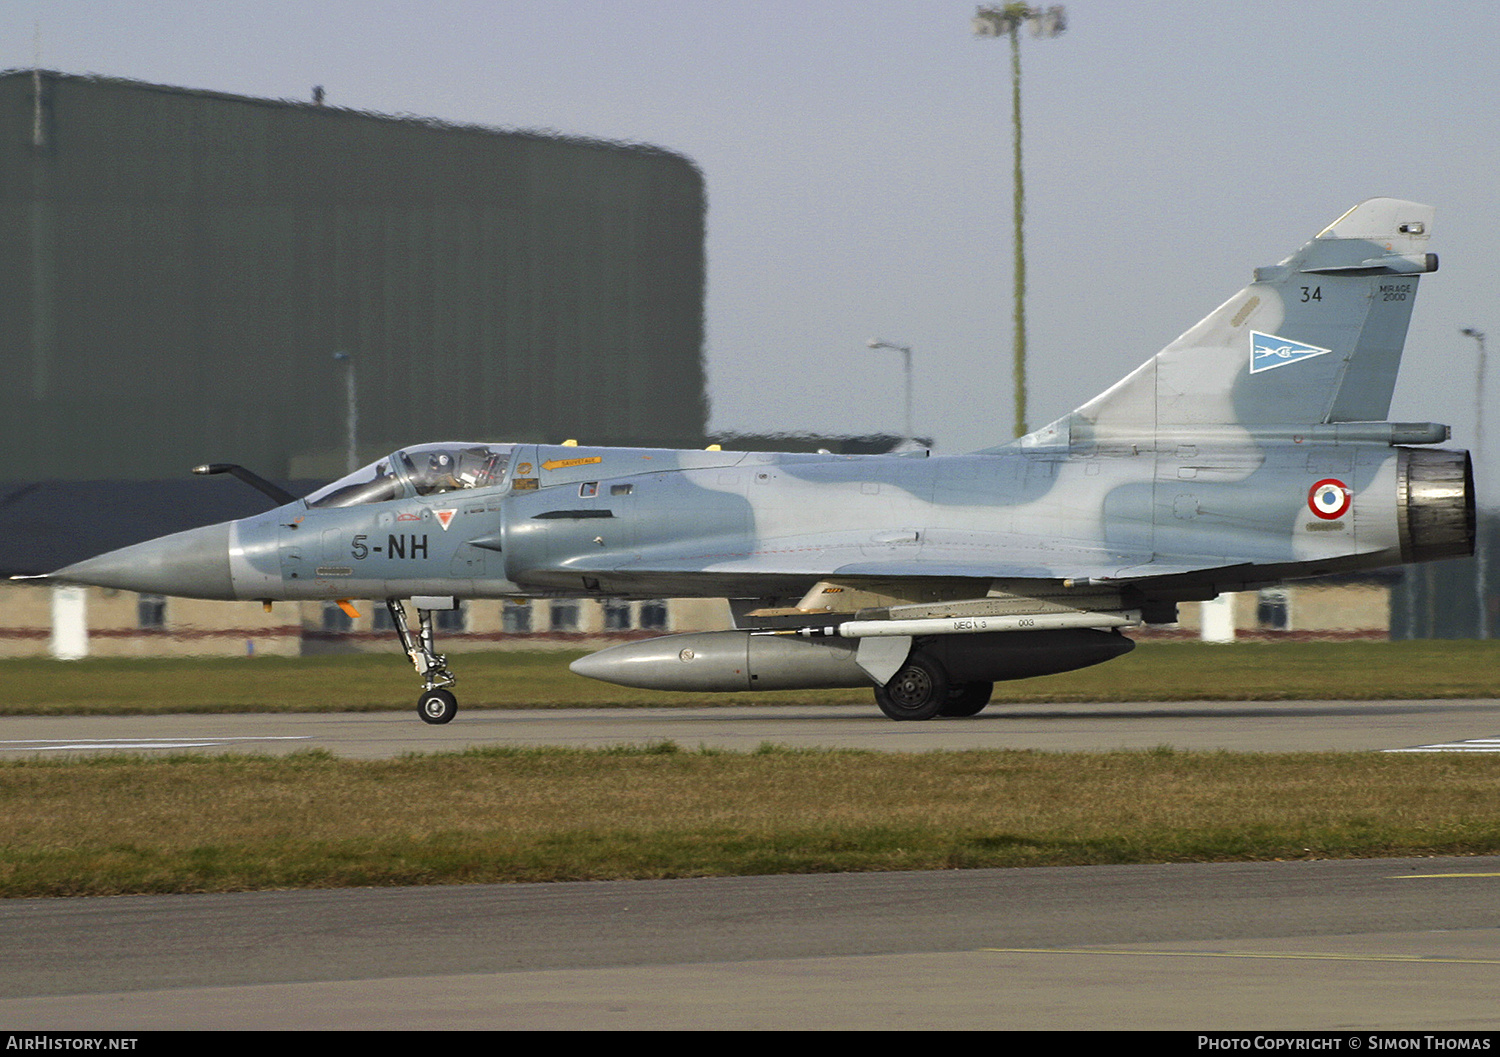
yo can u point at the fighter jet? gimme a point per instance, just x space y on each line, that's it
1251 450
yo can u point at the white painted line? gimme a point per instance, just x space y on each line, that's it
1472 745
96 744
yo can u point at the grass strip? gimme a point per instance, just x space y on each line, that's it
1155 671
112 825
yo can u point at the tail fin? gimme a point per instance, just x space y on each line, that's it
1316 338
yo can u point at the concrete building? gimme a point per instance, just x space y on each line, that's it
1336 608
181 268
71 623
193 277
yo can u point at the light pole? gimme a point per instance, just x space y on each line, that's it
1005 21
351 410
905 351
1481 562
1478 336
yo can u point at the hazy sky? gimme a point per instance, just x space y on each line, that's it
858 166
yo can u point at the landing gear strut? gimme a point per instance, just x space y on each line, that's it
437 704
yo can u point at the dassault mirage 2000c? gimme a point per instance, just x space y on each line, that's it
1251 450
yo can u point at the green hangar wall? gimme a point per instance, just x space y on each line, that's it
179 268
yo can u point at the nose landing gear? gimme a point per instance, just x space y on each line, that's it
437 704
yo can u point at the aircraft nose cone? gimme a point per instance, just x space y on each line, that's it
191 564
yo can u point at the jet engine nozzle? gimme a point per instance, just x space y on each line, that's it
1436 504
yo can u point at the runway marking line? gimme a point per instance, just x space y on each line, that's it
77 744
1314 956
1415 876
1470 745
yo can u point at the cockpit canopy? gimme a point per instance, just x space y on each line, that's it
426 469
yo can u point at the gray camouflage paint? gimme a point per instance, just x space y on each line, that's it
1188 477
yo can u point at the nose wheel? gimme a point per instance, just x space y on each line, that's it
437 704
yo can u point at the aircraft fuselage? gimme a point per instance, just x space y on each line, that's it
649 523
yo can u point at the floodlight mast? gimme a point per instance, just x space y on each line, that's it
1481 556
1006 21
905 351
351 412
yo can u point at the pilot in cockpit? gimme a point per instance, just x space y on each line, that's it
430 470
433 472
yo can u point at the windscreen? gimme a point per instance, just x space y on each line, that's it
426 469
434 468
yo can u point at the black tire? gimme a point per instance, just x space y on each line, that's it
437 706
918 691
967 699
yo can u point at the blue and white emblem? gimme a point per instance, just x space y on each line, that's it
1268 351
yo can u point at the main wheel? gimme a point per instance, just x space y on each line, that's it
967 699
918 691
437 706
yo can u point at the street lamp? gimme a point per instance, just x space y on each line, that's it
1481 571
1478 336
351 410
1006 21
905 351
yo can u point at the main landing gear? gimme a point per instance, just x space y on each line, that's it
922 690
437 704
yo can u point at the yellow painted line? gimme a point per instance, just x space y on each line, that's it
1414 876
1314 956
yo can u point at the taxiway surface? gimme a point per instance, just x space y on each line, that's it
1355 945
1359 945
1242 726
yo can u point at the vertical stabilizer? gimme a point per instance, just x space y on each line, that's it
1316 338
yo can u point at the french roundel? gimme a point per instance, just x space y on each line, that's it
1329 498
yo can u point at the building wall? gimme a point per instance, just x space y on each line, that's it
126 624
181 267
1339 610
1454 599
